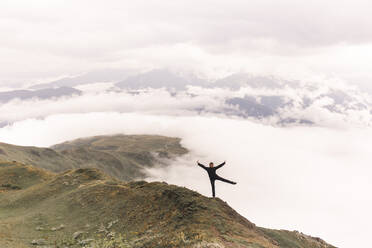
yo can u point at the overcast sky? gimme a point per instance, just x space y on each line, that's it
42 39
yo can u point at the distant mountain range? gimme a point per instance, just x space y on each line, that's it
99 76
161 79
275 100
165 78
266 97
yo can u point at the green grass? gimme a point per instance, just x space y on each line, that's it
287 239
149 214
121 156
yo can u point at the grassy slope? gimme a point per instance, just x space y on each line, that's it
148 214
121 156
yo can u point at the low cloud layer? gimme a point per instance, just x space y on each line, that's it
310 179
274 103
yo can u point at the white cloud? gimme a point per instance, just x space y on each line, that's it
152 101
311 179
198 100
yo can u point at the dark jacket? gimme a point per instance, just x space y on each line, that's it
212 170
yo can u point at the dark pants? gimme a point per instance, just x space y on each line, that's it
221 179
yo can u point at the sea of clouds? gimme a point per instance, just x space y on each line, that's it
322 105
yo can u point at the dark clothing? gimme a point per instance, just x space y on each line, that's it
213 176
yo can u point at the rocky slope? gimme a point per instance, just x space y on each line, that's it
85 207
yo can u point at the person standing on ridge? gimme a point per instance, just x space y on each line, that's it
213 176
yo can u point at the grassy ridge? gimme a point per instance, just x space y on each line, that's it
87 206
120 156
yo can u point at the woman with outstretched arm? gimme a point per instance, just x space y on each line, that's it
213 176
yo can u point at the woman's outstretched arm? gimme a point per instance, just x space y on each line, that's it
219 166
201 165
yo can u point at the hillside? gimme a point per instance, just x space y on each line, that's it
120 156
85 206
51 93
